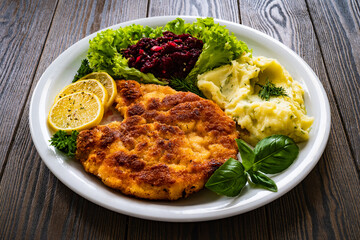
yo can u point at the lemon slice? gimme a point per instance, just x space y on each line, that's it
77 111
90 85
108 82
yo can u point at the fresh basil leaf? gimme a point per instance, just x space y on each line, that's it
229 179
263 181
247 154
274 154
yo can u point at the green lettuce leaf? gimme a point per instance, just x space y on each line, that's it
105 52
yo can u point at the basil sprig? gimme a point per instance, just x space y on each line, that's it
271 155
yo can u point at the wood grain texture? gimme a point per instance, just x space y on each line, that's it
226 10
33 203
312 205
337 25
251 225
20 50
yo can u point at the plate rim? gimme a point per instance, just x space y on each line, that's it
178 217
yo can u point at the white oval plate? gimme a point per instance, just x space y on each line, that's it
203 205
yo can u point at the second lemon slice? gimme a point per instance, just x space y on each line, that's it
89 85
108 83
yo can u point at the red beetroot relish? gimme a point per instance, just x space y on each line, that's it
166 57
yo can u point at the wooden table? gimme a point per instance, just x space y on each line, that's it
35 205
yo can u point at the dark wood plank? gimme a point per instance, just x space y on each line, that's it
247 226
251 225
337 24
20 50
33 203
311 209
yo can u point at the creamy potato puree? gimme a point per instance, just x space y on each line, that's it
233 87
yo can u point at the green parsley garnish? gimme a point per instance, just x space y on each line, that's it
270 90
83 70
64 142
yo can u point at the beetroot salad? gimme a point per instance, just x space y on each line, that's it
168 56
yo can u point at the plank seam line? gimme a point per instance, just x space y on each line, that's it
148 8
239 10
268 220
2 170
332 92
126 234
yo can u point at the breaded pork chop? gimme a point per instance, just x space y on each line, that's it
167 146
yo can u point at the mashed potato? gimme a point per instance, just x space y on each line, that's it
234 88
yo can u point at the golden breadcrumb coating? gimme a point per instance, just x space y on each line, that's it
167 146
